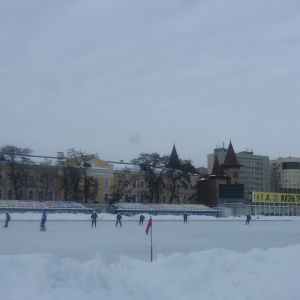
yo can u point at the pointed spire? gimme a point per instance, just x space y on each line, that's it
230 160
216 170
174 161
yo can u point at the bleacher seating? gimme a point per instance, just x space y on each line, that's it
24 205
153 208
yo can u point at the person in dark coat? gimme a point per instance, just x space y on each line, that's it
94 218
248 219
43 220
185 216
119 218
7 219
142 218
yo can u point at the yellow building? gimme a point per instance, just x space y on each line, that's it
107 183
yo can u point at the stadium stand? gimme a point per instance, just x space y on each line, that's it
151 208
29 205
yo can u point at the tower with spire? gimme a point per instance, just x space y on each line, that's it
230 166
223 180
174 162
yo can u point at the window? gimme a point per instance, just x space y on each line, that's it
22 179
118 183
142 184
51 180
0 194
142 198
1 177
41 195
126 198
134 184
134 198
31 179
50 196
41 179
9 194
30 195
20 195
106 183
164 199
10 178
96 187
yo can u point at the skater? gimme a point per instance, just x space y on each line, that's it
119 217
248 219
43 221
142 218
185 216
7 219
94 218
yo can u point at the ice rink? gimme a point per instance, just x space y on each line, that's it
77 240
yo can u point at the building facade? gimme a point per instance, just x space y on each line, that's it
285 175
222 184
254 172
111 182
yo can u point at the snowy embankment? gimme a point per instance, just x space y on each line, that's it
214 274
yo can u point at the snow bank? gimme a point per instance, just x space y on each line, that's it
214 274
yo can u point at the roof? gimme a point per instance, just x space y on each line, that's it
230 160
174 161
217 169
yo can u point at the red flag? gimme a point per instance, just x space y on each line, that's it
149 225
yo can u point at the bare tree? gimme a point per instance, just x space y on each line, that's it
74 175
178 175
82 161
122 185
69 180
19 164
47 173
154 166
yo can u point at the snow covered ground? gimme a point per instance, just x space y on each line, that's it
207 258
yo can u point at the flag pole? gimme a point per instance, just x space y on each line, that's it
147 231
151 250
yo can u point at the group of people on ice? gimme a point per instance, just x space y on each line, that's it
42 225
94 218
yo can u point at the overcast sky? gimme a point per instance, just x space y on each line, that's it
119 78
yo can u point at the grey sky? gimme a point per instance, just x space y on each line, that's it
119 78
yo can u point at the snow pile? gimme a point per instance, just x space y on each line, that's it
213 274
